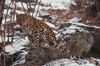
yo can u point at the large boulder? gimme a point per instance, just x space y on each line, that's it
96 35
75 41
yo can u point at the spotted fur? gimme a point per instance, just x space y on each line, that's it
36 28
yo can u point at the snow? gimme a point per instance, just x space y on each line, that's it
22 59
50 25
55 4
95 60
68 31
58 4
17 45
5 11
96 27
20 43
7 2
20 12
70 62
72 29
5 39
43 12
75 21
19 5
3 21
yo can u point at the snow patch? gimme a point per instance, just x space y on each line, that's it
72 29
58 4
50 25
95 60
43 12
2 38
76 21
19 5
17 45
20 12
7 2
69 62
22 59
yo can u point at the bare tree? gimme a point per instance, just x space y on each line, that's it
2 2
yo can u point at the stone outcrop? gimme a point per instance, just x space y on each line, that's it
96 36
75 41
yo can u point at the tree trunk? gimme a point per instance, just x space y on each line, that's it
2 3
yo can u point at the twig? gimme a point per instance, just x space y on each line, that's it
38 8
23 7
5 36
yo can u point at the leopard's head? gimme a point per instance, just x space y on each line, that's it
23 19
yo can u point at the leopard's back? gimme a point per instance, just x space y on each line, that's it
40 28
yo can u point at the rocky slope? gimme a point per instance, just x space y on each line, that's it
76 39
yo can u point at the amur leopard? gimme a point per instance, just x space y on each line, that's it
36 28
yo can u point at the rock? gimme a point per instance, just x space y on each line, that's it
39 56
79 43
96 35
95 31
75 41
